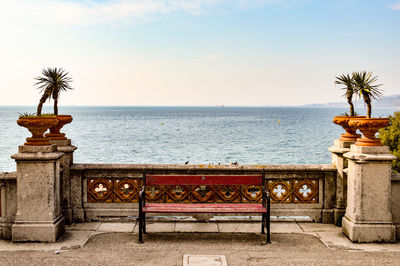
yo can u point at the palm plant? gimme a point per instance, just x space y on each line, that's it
363 84
53 81
347 81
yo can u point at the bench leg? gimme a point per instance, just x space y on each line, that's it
140 228
268 222
263 223
144 223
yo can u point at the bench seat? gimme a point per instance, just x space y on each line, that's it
262 208
203 208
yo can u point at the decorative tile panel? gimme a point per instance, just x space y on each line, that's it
305 190
285 190
113 190
280 190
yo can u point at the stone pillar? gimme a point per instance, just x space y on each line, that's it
38 217
65 147
338 149
329 197
368 217
78 212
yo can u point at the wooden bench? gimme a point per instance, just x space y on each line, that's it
203 180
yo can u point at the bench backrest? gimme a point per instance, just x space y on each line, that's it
204 180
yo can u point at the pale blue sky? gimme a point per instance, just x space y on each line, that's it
201 52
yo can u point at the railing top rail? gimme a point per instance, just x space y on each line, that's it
8 175
396 177
183 167
204 180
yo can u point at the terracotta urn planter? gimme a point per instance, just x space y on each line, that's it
351 131
37 126
369 127
55 133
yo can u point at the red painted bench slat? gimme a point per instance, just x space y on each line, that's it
193 207
203 208
203 180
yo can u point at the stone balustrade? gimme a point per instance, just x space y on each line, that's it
49 190
104 190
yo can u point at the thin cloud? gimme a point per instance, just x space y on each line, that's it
362 35
90 12
207 58
395 6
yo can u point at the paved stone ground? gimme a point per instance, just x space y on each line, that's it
116 243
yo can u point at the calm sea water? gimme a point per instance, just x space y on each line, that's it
200 135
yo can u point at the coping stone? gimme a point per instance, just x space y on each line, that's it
189 259
116 227
318 227
92 226
158 227
285 228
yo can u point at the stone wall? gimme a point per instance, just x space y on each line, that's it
395 200
8 203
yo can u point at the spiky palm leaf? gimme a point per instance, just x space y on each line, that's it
347 81
53 81
365 87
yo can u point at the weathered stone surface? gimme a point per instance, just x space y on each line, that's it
8 201
36 149
60 142
83 226
116 227
196 227
66 162
282 227
317 227
157 227
368 232
205 168
395 203
38 231
368 217
232 227
38 215
338 149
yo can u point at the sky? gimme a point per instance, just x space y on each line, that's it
195 53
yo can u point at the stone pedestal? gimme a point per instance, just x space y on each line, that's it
368 217
65 147
38 217
338 149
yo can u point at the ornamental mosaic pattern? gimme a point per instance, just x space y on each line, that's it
113 190
107 190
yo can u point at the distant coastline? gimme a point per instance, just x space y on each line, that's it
390 101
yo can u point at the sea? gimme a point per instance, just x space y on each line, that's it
193 135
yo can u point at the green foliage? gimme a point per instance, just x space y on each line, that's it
347 114
364 85
51 83
348 82
390 136
26 114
